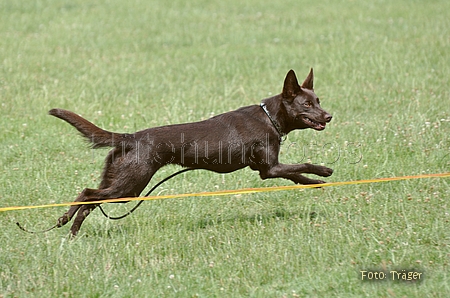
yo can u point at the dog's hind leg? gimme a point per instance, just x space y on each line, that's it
126 174
66 217
87 195
129 181
115 191
84 211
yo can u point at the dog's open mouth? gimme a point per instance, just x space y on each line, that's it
313 124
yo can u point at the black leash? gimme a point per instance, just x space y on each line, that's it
118 217
35 232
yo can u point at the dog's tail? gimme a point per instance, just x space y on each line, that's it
94 134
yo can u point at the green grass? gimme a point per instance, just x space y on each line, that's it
382 70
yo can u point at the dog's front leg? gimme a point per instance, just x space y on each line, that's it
293 172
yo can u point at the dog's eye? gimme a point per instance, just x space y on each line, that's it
307 104
318 100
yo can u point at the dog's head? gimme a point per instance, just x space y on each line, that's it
302 104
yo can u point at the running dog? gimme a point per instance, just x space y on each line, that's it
247 137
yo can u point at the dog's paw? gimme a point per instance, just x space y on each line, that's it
312 181
318 182
62 220
325 172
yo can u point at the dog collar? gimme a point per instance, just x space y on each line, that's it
275 124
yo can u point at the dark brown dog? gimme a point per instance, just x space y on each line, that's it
249 136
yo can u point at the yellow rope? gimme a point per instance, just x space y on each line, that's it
230 192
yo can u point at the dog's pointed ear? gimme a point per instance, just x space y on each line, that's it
309 81
291 88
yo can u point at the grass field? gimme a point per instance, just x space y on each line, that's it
382 69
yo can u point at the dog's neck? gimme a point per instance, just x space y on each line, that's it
270 104
274 122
